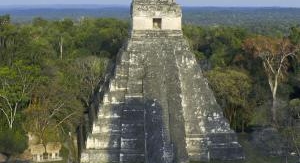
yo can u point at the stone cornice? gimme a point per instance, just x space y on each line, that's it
171 9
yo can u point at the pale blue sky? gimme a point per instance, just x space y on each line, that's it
278 3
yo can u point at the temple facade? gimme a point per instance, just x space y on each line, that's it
156 15
155 105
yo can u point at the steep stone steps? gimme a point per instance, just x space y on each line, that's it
104 141
107 125
133 133
159 75
109 111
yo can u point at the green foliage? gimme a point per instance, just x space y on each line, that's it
196 36
232 88
222 45
234 85
226 45
101 34
295 108
87 72
294 34
12 142
17 83
49 71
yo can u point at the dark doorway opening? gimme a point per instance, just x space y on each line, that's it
156 23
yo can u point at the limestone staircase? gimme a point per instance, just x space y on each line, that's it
132 134
188 123
117 134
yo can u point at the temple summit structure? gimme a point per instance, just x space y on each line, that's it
157 107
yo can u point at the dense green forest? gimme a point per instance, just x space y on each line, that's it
49 70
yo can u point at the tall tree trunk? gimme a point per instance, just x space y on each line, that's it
274 110
274 86
61 47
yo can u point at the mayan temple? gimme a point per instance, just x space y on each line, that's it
157 106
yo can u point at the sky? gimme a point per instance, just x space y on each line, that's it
220 3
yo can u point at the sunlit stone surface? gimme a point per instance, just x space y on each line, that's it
158 107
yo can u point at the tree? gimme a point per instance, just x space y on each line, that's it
294 34
17 83
55 110
42 120
274 54
88 72
232 88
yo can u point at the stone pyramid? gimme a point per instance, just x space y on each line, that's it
158 107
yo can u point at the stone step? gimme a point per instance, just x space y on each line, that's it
194 145
133 145
222 138
196 156
109 106
135 87
133 113
158 51
109 111
226 152
134 103
154 41
121 81
135 130
144 34
132 158
118 84
114 97
200 149
108 121
122 68
99 156
103 141
134 99
107 127
132 130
